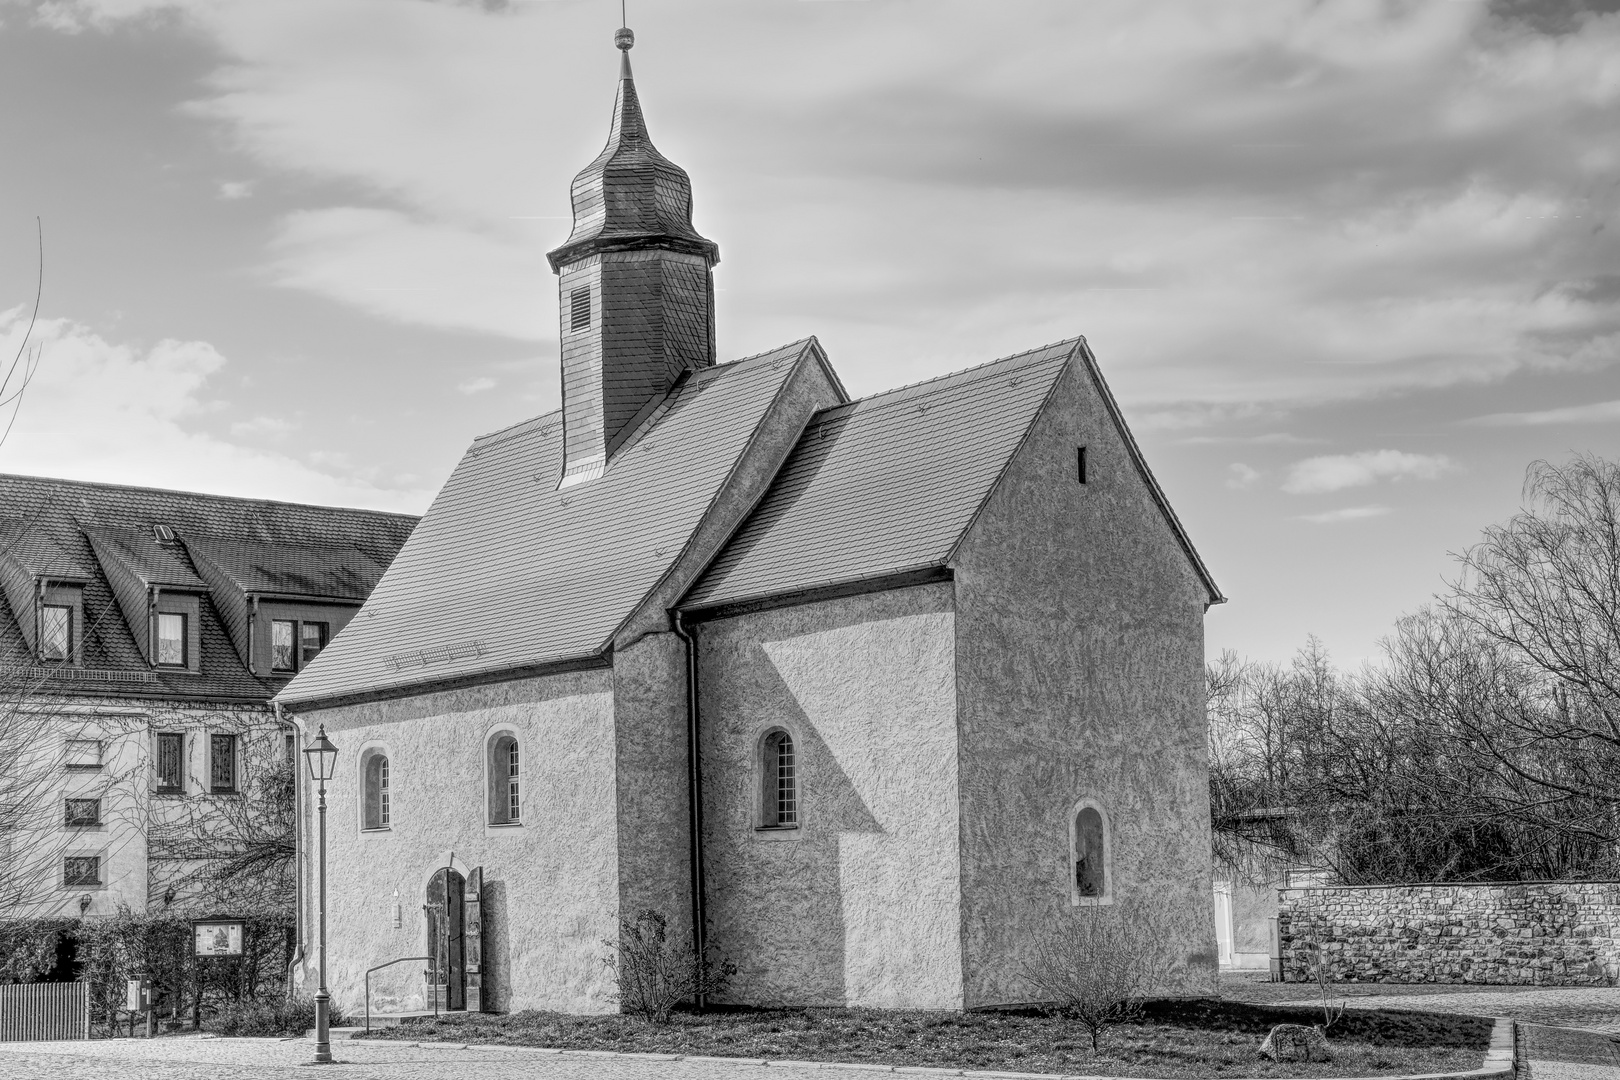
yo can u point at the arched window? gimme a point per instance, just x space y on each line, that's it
1090 857
377 811
505 801
779 782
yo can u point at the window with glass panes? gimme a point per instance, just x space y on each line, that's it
55 632
81 870
170 753
780 783
283 645
513 805
171 638
311 640
222 763
80 812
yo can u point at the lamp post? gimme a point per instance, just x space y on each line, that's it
322 758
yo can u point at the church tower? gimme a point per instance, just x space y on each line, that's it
636 289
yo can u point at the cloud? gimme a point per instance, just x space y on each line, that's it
1335 472
271 426
1240 475
414 271
231 190
476 386
117 413
1596 413
1349 513
1222 164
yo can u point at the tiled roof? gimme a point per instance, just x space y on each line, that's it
507 572
140 554
334 571
54 517
886 484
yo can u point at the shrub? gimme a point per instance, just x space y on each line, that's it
1096 968
269 1016
654 974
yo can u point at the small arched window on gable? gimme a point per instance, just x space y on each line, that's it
779 782
505 799
377 811
1091 864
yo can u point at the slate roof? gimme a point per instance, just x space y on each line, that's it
53 520
631 195
889 484
886 484
330 571
506 572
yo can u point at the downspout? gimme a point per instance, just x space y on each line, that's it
694 797
253 621
298 848
152 594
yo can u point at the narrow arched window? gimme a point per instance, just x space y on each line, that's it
377 812
779 782
505 793
1089 855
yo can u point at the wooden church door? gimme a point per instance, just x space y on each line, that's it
455 939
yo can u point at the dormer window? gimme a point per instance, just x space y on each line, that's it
294 643
171 639
311 640
56 632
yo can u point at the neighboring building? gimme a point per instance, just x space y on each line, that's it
874 694
143 635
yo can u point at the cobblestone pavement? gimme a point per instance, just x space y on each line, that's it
202 1058
1595 1008
1554 1053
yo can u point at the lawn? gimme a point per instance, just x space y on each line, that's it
1201 1037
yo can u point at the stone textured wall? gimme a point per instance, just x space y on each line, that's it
1545 934
1080 665
859 905
551 884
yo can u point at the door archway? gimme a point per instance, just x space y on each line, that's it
447 939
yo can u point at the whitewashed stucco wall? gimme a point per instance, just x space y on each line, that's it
1080 666
550 884
861 907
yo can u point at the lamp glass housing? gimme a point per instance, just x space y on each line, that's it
322 757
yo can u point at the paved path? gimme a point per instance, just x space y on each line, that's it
1596 1008
1564 1054
202 1058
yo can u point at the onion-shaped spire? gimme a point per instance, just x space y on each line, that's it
631 196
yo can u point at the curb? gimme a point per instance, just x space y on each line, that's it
1498 1064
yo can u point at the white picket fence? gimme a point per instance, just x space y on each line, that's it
32 1012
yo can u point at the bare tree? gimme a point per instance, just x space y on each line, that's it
1545 589
1096 967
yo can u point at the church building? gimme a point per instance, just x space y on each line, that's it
873 695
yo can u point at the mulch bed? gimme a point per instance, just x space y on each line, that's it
1198 1037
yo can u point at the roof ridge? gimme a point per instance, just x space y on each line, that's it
515 424
104 486
967 371
800 342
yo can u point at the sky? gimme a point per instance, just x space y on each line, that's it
1348 265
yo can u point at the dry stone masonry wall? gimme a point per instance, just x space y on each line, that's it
1532 933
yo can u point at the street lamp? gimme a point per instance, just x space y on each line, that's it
322 758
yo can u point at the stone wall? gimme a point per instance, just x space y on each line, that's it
1533 933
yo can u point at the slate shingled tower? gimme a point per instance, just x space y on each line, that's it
636 293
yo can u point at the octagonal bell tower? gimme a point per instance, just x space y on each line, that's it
636 288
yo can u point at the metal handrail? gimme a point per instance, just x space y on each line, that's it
379 967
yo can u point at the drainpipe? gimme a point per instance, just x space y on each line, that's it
152 594
298 846
253 621
694 771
